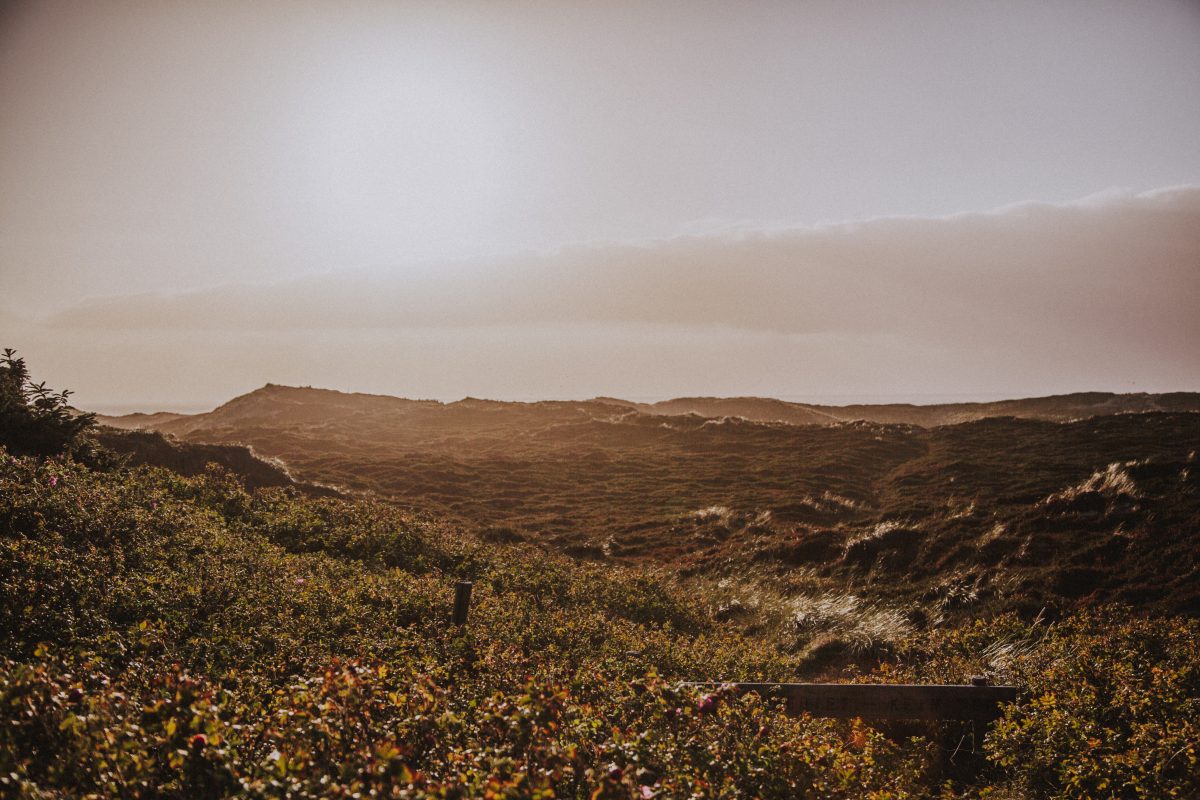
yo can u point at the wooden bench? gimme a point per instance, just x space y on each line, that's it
975 701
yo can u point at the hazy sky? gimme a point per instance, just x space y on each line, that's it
569 199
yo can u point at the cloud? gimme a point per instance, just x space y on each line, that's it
1117 266
1025 300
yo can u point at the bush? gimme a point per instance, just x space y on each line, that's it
35 420
1109 708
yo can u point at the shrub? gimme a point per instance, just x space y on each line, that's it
1109 707
35 420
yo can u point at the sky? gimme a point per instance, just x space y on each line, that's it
888 201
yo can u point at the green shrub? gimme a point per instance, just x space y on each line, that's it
1109 706
35 420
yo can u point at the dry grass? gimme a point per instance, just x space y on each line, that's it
863 626
1114 481
878 531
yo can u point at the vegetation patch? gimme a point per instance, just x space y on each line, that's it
183 636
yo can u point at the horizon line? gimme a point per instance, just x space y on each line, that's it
834 399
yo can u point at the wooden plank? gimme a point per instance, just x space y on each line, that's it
883 701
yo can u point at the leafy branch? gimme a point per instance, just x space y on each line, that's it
34 419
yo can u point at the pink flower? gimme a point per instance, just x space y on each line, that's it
54 480
707 704
647 792
299 581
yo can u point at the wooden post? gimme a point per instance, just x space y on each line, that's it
462 602
884 701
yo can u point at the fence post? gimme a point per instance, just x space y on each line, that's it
462 602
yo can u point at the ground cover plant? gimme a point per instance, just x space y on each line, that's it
171 636
168 635
165 636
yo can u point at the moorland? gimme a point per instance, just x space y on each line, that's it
254 602
1008 506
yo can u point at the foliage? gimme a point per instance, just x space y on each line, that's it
172 637
1110 705
165 636
35 420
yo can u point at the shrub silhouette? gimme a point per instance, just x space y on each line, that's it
34 420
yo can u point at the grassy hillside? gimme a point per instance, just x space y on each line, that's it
994 513
166 636
148 448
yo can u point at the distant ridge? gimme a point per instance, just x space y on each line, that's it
1053 408
273 404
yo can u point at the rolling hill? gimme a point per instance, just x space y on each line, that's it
1020 512
224 632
